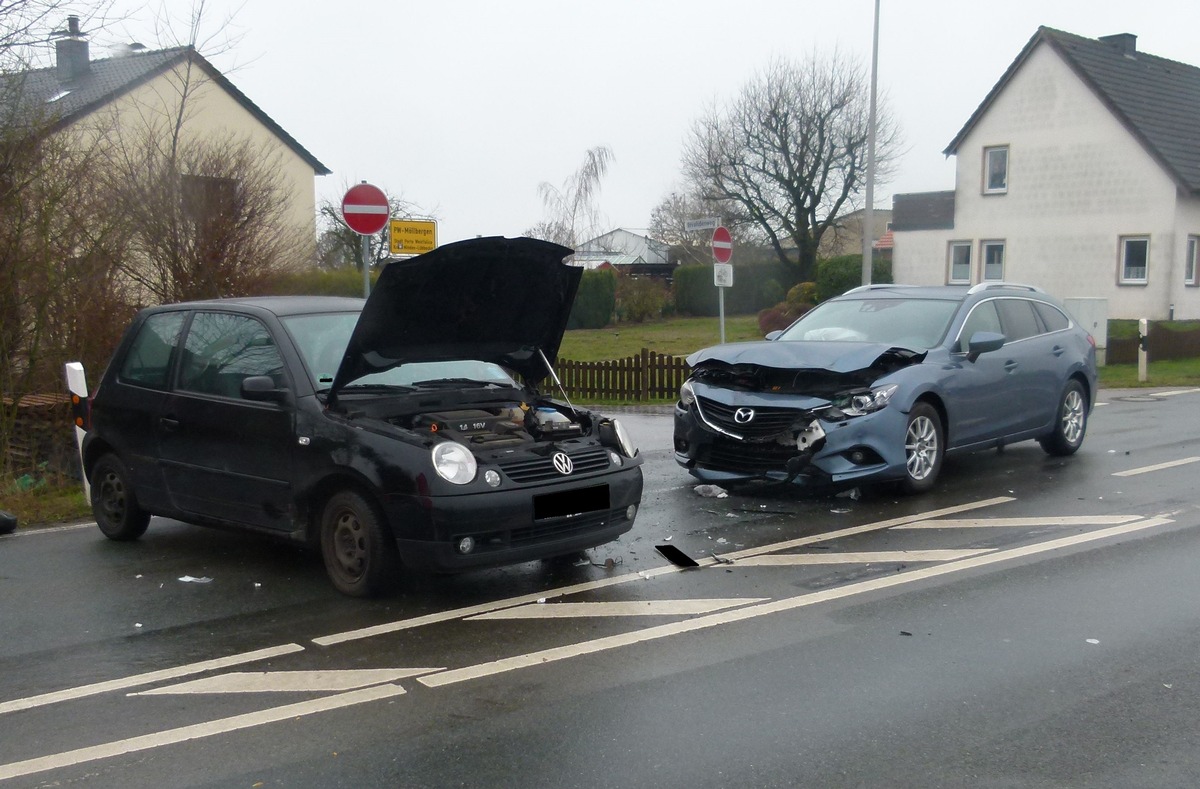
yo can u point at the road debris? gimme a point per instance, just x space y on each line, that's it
8 522
676 556
720 559
711 491
191 579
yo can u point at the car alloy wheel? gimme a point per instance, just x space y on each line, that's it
1070 422
923 448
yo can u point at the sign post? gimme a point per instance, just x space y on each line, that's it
722 249
365 210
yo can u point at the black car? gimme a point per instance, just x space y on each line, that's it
406 430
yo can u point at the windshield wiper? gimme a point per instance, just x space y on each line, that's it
440 382
374 388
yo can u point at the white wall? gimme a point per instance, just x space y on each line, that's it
1077 182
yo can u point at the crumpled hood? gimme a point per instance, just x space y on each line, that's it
837 357
493 299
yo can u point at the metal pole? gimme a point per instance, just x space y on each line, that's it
869 209
366 264
721 310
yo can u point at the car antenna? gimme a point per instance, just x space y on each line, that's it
554 376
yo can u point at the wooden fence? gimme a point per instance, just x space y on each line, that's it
648 376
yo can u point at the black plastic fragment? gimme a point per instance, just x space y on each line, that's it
676 556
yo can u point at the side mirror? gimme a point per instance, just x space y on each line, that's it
983 342
772 335
261 388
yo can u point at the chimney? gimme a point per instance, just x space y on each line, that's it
71 53
1125 43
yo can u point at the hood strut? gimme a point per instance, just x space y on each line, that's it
554 377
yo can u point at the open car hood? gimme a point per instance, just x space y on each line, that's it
837 357
492 299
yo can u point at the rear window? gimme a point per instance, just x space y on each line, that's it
148 362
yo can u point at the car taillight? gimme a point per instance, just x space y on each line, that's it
1092 340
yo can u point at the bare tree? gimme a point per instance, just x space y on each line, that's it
789 153
573 215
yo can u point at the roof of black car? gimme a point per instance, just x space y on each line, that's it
277 305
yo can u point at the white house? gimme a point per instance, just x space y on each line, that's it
1079 173
625 250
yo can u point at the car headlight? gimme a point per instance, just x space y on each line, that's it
614 434
686 395
454 462
862 403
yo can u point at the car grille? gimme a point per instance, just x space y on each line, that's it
729 454
766 422
541 469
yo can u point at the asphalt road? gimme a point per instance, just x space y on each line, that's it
1030 623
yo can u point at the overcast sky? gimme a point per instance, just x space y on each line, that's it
464 107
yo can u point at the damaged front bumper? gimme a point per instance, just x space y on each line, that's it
727 437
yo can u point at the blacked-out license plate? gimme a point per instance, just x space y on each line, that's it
570 502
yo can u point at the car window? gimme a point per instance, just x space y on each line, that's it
1017 318
983 317
149 359
1053 317
222 349
908 322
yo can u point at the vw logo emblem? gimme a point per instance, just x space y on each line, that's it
562 463
743 416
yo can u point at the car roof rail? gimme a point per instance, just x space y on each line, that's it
878 286
982 286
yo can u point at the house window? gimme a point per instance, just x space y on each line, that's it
1189 264
960 262
995 170
207 198
1135 256
993 261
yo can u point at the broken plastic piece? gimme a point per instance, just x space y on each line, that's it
711 491
8 522
191 579
676 556
720 559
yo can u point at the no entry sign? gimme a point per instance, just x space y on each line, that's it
365 209
722 245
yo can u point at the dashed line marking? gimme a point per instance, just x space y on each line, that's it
979 523
630 608
1133 472
866 557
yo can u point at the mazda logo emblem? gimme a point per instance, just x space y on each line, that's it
743 416
562 463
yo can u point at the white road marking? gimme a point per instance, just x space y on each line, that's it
290 681
483 608
630 608
787 604
147 678
1176 392
1066 520
1133 472
866 557
196 731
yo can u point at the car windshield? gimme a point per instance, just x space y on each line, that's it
322 340
918 324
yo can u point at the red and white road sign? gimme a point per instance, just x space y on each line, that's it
722 245
365 209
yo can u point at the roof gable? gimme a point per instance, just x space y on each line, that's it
110 78
1156 99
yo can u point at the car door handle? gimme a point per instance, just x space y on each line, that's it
1010 365
170 424
1058 350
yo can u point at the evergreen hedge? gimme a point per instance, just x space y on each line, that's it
755 286
595 301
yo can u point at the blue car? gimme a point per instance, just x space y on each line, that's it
882 382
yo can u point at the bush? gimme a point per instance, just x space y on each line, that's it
318 282
755 286
837 275
595 300
802 293
780 316
640 298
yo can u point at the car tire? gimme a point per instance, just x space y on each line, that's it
114 503
1070 422
924 448
359 552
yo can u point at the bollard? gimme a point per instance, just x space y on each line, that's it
1143 350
